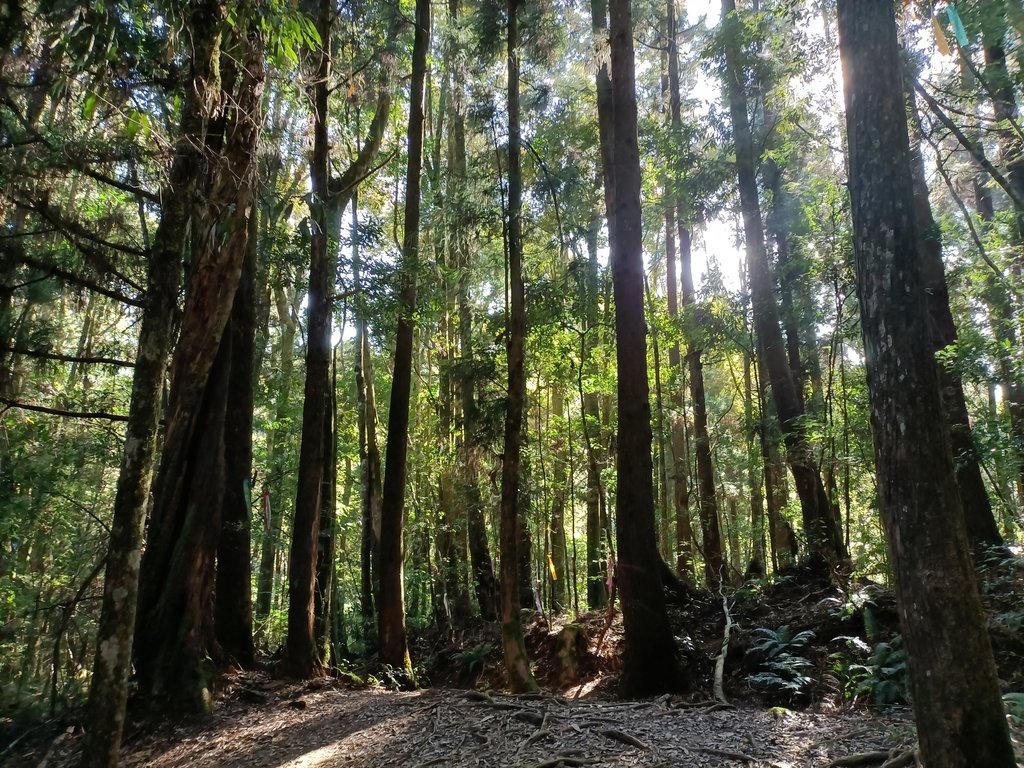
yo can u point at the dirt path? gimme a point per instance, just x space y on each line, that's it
334 727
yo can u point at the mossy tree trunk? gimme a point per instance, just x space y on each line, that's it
174 635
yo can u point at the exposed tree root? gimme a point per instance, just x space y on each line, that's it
720 661
624 738
893 758
728 754
564 760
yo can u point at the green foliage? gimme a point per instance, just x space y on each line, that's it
776 652
471 661
882 677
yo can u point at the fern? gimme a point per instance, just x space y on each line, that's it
782 666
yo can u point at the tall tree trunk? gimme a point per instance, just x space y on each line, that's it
517 665
982 529
301 659
707 503
108 691
394 645
957 707
597 589
233 603
714 561
823 535
598 532
469 449
273 484
328 523
174 632
1009 307
757 566
650 664
560 480
370 480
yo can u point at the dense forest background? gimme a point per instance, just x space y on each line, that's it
248 256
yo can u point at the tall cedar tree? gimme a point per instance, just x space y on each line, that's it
394 645
597 589
232 617
823 532
516 663
680 460
982 529
650 664
301 658
957 706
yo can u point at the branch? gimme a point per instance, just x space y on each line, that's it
70 277
68 358
60 412
131 189
340 188
975 151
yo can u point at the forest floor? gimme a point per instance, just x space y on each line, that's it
325 725
814 702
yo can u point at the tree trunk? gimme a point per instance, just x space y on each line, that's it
1005 328
369 454
108 691
300 657
517 664
328 524
560 478
982 529
174 632
650 664
394 646
273 488
233 604
597 589
957 707
756 567
714 561
823 535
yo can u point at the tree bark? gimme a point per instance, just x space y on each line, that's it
982 529
957 707
650 664
108 691
394 646
233 593
174 633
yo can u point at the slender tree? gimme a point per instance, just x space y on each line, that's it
957 707
516 663
650 664
394 645
301 658
982 529
822 530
